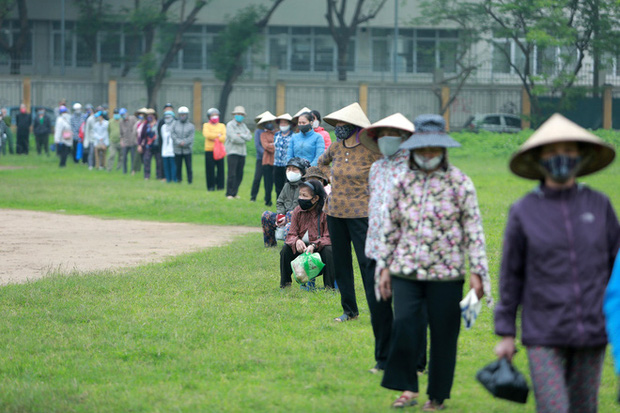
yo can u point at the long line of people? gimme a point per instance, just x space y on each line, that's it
416 227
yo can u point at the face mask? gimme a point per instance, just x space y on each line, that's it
41 113
239 118
77 111
315 124
214 119
168 120
183 118
561 168
427 164
293 176
140 117
124 116
305 128
105 113
149 118
269 126
22 110
344 131
389 145
285 129
305 204
117 116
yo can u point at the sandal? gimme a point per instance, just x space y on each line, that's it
344 318
405 401
433 406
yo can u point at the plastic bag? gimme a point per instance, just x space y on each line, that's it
79 151
307 267
470 308
504 381
219 152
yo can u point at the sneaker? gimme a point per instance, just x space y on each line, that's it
230 197
375 370
237 197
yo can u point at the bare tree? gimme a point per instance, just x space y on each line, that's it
15 48
342 31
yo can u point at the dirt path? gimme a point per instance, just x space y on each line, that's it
34 243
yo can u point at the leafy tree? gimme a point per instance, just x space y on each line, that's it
17 45
552 36
234 41
342 31
93 15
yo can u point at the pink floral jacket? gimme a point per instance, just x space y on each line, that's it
434 222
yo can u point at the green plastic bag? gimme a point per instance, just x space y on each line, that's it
307 267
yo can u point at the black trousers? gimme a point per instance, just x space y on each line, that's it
159 163
178 161
63 151
211 176
235 174
287 256
279 178
258 174
42 142
343 232
268 180
441 299
22 141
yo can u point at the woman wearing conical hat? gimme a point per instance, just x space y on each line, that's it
559 247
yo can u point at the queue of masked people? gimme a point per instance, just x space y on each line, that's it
415 225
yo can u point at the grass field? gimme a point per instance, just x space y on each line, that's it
211 331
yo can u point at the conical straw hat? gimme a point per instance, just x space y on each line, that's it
352 114
285 116
396 121
302 110
257 118
269 117
525 162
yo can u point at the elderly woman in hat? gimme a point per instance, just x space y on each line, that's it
237 134
560 243
433 225
268 124
258 166
282 139
385 137
348 163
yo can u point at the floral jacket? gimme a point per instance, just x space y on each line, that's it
433 223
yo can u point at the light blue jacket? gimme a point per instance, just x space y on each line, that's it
611 308
308 146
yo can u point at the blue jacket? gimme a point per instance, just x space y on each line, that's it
308 146
259 148
611 308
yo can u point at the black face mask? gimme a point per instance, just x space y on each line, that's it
305 128
305 204
268 126
561 167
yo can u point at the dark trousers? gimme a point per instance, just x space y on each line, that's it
147 156
159 163
268 180
124 151
343 232
258 174
214 178
63 151
235 174
22 141
279 178
74 151
42 143
441 299
287 256
178 161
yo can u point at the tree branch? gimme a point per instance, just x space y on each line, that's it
263 22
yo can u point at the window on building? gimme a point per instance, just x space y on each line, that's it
381 50
109 46
301 49
278 38
10 34
324 50
57 44
210 43
192 52
501 56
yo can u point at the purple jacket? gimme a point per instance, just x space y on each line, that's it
559 250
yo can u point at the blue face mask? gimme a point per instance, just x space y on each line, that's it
117 116
239 118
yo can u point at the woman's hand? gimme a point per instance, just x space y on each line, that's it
281 222
506 348
385 284
300 246
475 282
310 249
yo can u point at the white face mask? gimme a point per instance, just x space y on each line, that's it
389 145
427 164
315 124
285 128
293 176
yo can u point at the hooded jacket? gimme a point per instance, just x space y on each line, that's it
559 249
182 132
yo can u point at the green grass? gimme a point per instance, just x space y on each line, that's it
211 331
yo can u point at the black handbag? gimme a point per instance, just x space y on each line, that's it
504 381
